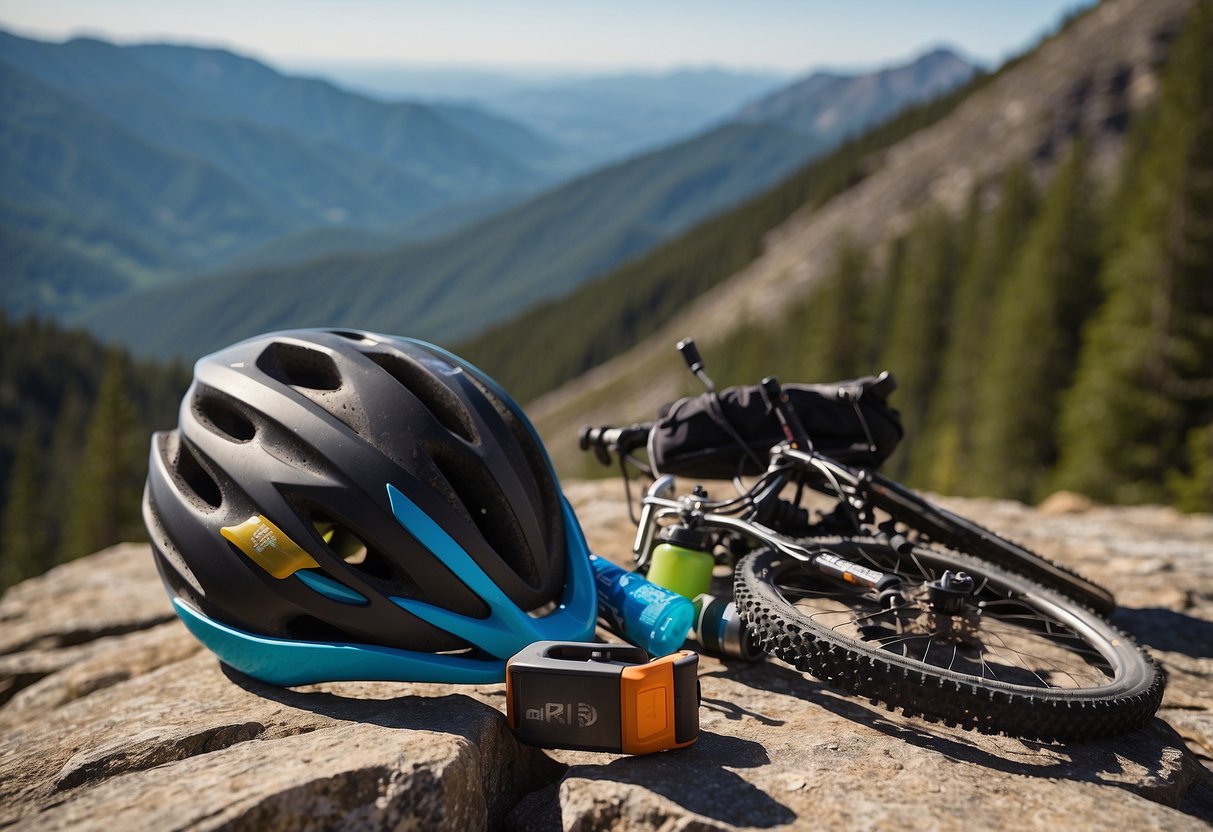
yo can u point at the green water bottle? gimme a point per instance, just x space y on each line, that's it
683 561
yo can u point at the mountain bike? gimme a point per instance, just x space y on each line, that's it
888 596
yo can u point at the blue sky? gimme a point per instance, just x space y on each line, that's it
783 35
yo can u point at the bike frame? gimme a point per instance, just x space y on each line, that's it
695 510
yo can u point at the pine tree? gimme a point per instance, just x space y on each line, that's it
24 550
880 302
918 323
63 461
932 446
1145 378
1034 338
1192 489
947 458
833 346
103 507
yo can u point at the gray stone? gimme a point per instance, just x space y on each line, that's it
56 677
81 601
129 724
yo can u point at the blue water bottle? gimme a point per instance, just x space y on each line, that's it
649 616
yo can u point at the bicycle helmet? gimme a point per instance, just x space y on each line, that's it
343 505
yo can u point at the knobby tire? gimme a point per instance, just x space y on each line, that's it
1021 659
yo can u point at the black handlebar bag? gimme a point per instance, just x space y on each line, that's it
849 421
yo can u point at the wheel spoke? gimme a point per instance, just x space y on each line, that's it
821 599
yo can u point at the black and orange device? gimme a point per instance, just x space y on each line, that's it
602 697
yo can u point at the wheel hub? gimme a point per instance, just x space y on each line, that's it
951 593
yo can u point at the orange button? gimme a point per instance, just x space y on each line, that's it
650 711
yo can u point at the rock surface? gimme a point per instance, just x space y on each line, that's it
113 717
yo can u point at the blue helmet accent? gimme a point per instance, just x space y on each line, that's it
507 629
287 662
329 588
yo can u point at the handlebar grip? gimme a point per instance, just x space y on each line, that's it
603 440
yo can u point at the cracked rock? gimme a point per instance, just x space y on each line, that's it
124 722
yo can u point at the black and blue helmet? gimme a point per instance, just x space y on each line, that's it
342 505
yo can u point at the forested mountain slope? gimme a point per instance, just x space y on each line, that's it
1029 200
75 423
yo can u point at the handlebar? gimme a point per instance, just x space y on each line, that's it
603 440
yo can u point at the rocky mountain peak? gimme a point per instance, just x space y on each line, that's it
820 103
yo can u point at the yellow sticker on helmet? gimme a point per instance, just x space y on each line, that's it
269 547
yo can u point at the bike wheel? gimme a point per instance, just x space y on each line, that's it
941 526
1011 657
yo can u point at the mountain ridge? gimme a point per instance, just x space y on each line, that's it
539 249
477 271
833 104
229 135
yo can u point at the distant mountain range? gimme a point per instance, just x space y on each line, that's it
607 117
456 286
129 166
127 169
614 117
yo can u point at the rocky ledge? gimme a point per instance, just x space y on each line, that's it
112 717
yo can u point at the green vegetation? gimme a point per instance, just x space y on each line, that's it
109 466
1059 341
947 451
74 427
916 336
1191 485
1033 341
1144 383
556 341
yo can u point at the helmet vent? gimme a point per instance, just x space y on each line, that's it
299 367
483 503
353 336
200 484
224 418
442 404
541 485
350 547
